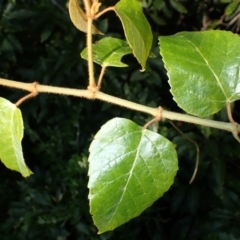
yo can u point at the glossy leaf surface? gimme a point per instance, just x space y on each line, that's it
11 132
79 18
108 52
203 69
136 28
130 168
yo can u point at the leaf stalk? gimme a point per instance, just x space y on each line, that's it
104 11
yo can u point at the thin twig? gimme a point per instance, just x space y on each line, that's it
234 128
197 150
101 77
156 119
234 19
92 84
104 11
229 113
87 5
30 95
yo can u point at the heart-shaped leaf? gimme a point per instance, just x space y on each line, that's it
11 132
79 18
130 168
136 28
203 69
108 52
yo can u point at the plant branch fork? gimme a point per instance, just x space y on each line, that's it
90 94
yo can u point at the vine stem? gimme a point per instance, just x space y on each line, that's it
92 84
38 88
197 150
88 5
33 93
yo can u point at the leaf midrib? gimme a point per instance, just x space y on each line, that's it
129 177
207 63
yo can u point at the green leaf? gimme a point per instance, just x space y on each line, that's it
130 168
46 32
203 69
108 52
231 8
178 6
79 18
136 28
11 132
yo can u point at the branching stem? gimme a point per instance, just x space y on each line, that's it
33 93
234 128
101 77
229 112
104 11
87 6
156 119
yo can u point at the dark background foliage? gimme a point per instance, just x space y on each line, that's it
39 43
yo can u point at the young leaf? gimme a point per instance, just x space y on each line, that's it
203 69
136 28
108 52
79 18
130 168
11 132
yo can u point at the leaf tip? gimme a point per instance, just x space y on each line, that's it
27 173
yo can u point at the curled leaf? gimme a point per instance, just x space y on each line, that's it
79 18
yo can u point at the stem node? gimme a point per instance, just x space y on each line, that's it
156 119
